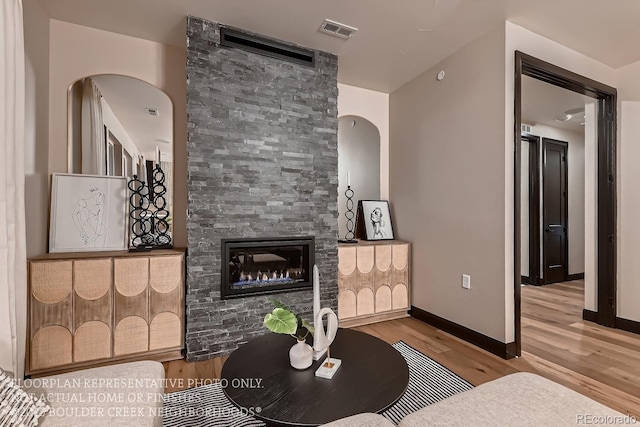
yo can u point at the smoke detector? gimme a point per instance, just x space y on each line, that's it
337 29
153 112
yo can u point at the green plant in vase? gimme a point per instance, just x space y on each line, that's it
282 320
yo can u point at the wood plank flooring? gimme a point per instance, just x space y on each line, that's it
601 363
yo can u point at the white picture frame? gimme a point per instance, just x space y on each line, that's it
88 213
377 220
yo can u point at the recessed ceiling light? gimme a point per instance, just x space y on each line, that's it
564 118
337 29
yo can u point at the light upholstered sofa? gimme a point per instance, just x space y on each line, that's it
127 394
521 399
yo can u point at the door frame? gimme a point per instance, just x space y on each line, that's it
565 146
606 98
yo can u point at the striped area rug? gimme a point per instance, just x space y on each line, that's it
429 382
207 406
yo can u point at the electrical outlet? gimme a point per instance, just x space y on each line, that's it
466 281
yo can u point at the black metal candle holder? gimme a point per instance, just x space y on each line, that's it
350 215
139 213
149 214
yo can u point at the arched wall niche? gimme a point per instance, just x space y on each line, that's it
358 158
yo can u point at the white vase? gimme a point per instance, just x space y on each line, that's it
301 355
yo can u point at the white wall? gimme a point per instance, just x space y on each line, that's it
590 206
628 297
447 184
373 106
36 39
432 121
576 183
77 52
518 38
628 84
628 196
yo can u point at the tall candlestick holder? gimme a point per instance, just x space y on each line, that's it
149 214
349 214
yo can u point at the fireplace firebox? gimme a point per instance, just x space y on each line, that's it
263 266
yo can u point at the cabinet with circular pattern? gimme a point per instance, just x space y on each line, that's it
97 308
373 281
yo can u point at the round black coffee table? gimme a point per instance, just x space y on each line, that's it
372 377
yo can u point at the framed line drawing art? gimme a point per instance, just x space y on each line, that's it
88 213
375 216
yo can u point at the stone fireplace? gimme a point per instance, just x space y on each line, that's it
262 163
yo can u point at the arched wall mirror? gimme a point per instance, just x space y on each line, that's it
359 157
120 126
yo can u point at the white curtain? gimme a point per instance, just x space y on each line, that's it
13 262
94 153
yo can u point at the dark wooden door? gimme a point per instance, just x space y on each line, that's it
555 209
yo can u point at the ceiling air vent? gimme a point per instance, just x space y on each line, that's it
153 112
524 128
337 29
266 47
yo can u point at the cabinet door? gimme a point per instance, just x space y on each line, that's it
400 277
347 282
166 302
50 314
92 309
382 278
131 314
365 273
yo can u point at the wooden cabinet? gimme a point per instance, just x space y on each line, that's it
97 308
373 281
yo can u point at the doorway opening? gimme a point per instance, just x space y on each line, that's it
604 233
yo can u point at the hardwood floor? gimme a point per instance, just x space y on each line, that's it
601 363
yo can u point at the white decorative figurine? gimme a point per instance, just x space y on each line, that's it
322 338
316 309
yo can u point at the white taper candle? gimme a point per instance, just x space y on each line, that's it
316 293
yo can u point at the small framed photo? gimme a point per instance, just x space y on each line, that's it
88 213
376 219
